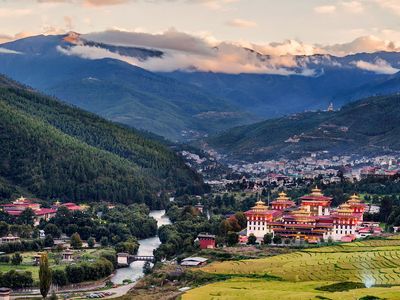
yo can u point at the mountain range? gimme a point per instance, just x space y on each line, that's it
187 104
117 90
337 80
52 150
369 126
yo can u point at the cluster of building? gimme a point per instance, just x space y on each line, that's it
378 172
289 173
16 208
313 220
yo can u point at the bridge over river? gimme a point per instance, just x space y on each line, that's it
125 259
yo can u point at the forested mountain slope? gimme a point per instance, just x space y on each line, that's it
367 126
52 150
116 90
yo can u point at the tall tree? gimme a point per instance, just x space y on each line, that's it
44 275
27 217
76 241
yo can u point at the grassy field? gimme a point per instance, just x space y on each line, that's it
54 260
256 289
371 262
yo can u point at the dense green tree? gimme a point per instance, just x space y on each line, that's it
232 238
48 241
242 220
277 239
76 241
26 217
16 259
53 230
59 277
54 150
251 240
16 279
104 241
267 239
91 242
44 275
4 227
147 268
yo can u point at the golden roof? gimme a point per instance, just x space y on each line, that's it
260 205
283 197
316 192
354 199
345 208
302 214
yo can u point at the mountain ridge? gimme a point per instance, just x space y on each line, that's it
115 89
368 126
54 150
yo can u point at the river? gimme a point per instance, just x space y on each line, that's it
135 270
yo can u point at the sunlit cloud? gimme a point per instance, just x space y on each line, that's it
390 5
241 23
325 9
380 66
353 6
4 38
12 13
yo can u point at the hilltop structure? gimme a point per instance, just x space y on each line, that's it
17 207
313 220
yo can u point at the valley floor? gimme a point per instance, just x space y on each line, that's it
335 272
258 289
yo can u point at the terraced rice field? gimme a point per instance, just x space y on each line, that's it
256 289
371 262
376 260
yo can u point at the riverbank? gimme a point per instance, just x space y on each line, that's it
135 270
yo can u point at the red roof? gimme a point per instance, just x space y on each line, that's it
15 212
71 206
44 211
265 212
316 198
348 238
370 229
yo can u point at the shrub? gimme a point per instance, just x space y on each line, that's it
5 259
16 259
59 277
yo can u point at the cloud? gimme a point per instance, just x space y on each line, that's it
13 13
170 39
212 4
355 7
241 23
198 54
380 66
390 5
287 47
97 3
88 3
4 38
205 53
68 23
8 51
325 9
367 44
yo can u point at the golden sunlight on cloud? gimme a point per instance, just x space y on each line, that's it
96 3
325 9
241 23
12 13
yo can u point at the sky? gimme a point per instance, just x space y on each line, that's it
257 21
214 35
